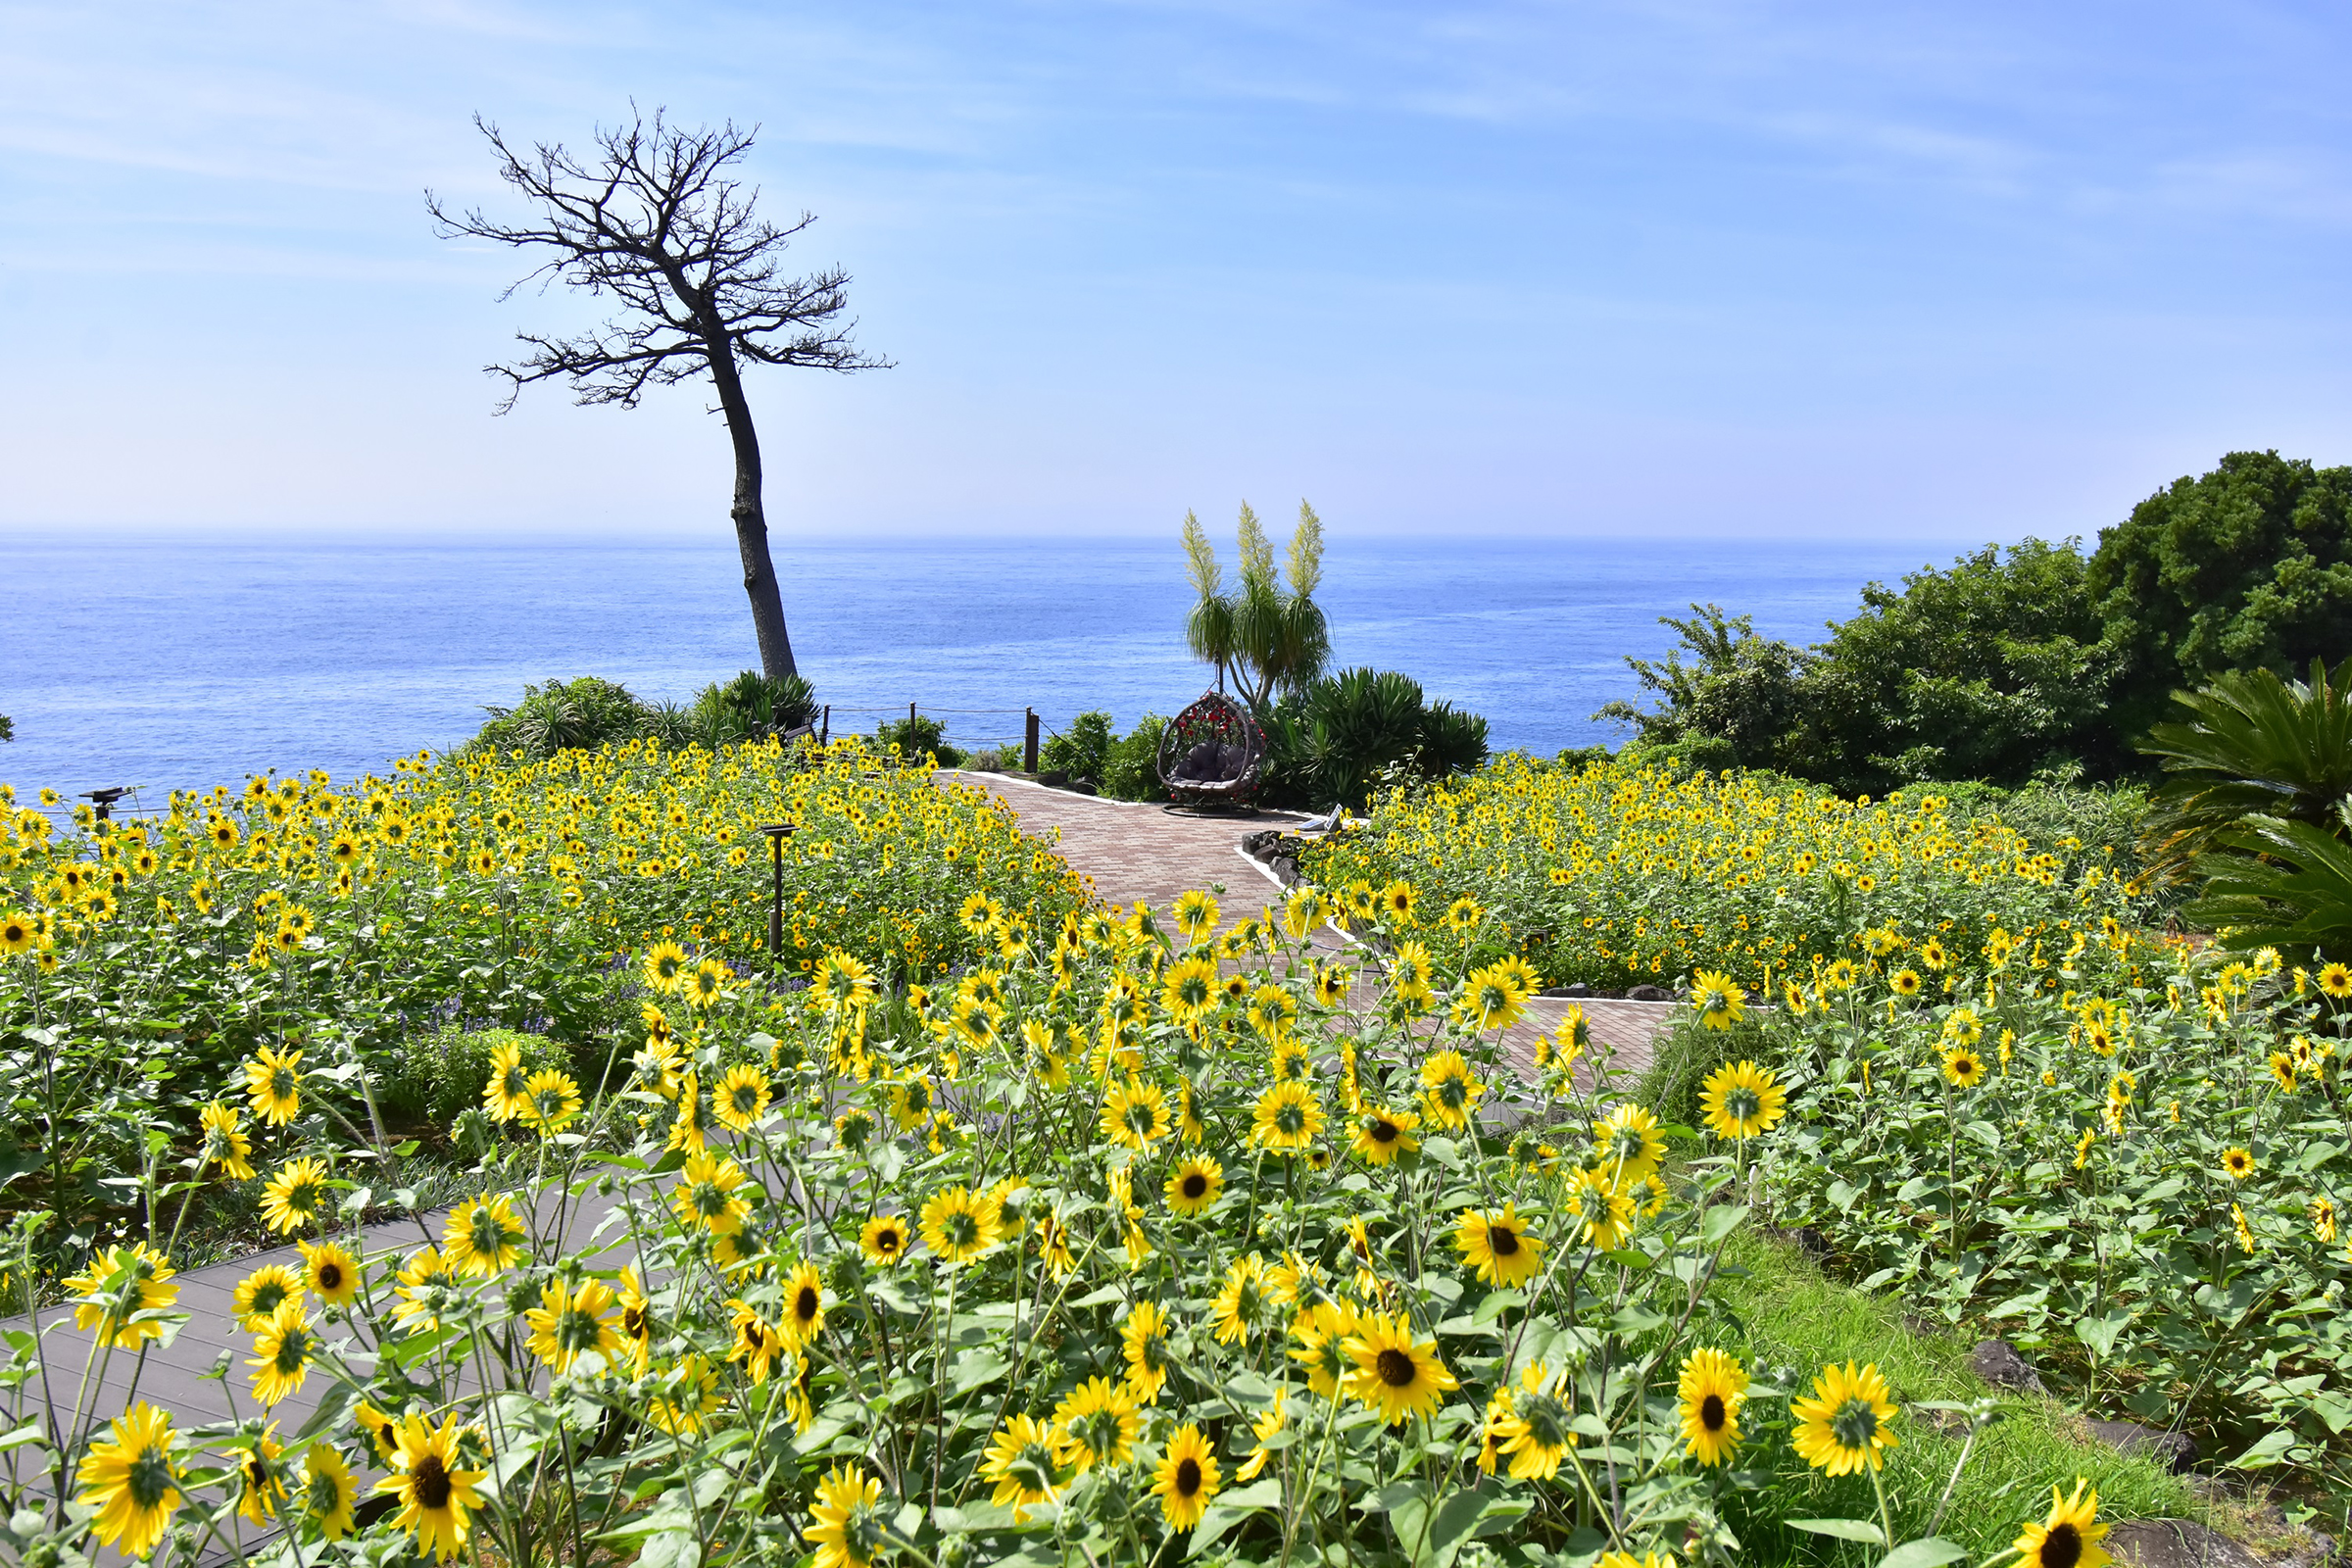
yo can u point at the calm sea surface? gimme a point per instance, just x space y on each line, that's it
189 663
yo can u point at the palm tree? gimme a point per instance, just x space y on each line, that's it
1264 638
2253 746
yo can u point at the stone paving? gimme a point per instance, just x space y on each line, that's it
1128 849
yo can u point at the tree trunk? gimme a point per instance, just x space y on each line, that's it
750 520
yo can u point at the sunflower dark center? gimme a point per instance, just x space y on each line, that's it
1711 1413
1383 1132
887 1240
149 1478
330 1278
2062 1548
1188 1477
1854 1424
1502 1241
1195 1185
428 1480
635 1321
805 1305
1396 1369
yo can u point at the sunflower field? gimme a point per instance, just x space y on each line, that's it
1141 1240
349 920
2134 1170
1619 875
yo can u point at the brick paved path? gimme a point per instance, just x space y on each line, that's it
1128 849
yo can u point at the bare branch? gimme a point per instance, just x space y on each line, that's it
655 222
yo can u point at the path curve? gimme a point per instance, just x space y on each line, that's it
1130 849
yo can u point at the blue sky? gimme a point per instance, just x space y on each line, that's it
1939 271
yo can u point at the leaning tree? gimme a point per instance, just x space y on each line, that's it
655 223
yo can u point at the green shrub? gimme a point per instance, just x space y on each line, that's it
1131 764
915 735
1349 735
752 707
1080 751
579 714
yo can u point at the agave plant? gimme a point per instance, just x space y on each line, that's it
2253 745
2276 883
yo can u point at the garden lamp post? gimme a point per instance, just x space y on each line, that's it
777 833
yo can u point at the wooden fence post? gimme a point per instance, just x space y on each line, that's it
1029 745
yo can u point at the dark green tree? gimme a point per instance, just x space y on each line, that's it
1995 667
2248 567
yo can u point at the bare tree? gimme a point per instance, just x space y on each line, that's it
657 223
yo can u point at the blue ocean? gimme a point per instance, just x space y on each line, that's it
189 663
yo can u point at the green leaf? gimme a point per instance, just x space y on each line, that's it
2268 1451
1844 1529
1721 1221
1926 1552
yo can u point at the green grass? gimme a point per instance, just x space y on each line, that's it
1795 1318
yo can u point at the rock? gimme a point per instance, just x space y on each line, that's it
1997 1362
2172 1543
1649 994
1054 778
1079 786
1579 989
1285 868
1805 1239
2175 1451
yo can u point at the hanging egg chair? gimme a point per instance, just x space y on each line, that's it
1213 753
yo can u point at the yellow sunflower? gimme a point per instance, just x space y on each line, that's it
226 1143
436 1497
709 1193
883 1240
1288 1117
273 1085
329 1497
959 1224
804 1304
1843 1426
1187 1478
1712 1388
665 966
846 1525
742 1096
1382 1135
1195 1184
1097 1425
1021 1463
2070 1537
1601 1207
1627 1143
507 1093
117 1288
133 1481
482 1237
1449 1089
1721 1001
570 1322
2236 1164
1135 1114
331 1273
1144 1339
1743 1101
1498 1246
555 1099
283 1350
259 1294
1393 1373
296 1196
